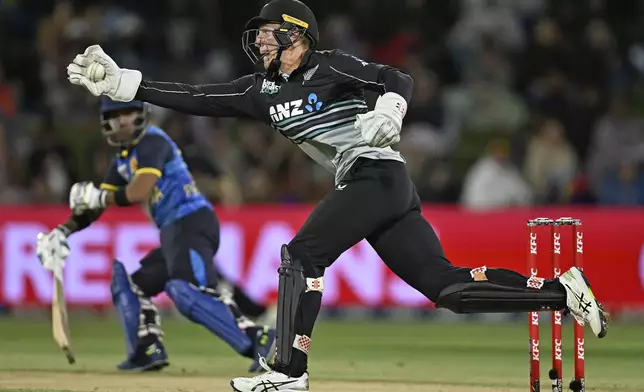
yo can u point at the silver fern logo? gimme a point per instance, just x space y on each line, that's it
309 74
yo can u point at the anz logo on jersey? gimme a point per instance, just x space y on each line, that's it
282 111
314 104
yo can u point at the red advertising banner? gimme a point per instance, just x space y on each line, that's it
251 238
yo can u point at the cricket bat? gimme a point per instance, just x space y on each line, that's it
60 325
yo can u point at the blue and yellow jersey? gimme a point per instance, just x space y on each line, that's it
175 194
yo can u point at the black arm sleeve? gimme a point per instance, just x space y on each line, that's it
371 76
153 151
113 180
85 219
234 99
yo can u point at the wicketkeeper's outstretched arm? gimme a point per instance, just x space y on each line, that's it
214 100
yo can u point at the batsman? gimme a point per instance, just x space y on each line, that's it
148 169
316 99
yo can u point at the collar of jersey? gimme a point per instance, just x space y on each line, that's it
305 60
304 65
125 151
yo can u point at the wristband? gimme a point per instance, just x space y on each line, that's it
65 230
102 198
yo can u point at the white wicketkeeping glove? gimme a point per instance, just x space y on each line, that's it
85 196
52 249
381 126
120 84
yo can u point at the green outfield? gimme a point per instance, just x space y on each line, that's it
382 356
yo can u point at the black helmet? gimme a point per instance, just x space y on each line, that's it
293 17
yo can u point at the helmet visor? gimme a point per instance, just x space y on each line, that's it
267 41
123 127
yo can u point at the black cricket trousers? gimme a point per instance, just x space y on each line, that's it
377 201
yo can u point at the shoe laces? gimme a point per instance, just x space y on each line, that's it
269 370
264 364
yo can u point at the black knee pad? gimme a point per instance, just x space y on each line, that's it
486 297
296 278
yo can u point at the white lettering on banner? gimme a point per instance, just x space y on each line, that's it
230 256
21 263
84 261
246 257
89 265
361 269
132 242
262 277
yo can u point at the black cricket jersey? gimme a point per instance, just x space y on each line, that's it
315 106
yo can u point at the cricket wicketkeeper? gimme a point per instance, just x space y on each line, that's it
316 99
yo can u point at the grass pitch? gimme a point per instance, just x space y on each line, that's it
346 356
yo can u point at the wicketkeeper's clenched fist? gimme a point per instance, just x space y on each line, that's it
120 84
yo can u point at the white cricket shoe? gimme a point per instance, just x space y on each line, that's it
582 303
271 381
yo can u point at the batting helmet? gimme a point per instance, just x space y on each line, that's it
109 106
293 17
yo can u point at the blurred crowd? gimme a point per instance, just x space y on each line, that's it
516 102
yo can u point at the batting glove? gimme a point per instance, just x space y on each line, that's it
120 84
85 196
52 248
381 126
